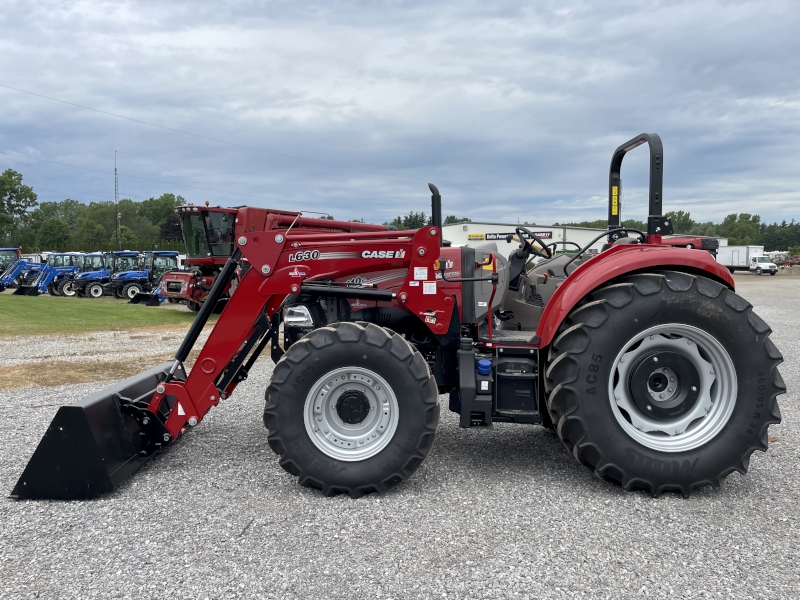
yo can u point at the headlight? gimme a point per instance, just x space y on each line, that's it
297 315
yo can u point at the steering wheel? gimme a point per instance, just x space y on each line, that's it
528 247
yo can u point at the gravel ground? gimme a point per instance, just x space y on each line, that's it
500 513
97 345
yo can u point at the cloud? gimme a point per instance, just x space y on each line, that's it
513 111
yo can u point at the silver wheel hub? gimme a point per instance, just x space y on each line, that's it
351 414
679 404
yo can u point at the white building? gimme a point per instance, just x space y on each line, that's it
475 234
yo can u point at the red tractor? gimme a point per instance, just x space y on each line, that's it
208 234
650 369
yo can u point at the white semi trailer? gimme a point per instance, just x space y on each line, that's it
746 258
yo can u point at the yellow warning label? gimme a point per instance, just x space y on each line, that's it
614 200
476 236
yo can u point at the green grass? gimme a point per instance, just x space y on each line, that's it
36 315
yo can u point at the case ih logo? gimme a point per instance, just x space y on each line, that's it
383 254
297 273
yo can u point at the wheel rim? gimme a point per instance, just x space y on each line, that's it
690 358
132 291
337 418
95 291
69 290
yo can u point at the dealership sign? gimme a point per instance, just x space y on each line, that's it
542 235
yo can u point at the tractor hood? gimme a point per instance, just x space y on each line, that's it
92 275
129 274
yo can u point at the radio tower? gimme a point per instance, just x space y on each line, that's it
116 198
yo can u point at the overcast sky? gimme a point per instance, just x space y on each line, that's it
513 109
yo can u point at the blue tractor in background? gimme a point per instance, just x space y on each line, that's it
128 284
19 272
98 270
8 256
54 276
13 269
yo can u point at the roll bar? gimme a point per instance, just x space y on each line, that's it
657 224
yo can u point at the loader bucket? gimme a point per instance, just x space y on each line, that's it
92 446
146 299
27 290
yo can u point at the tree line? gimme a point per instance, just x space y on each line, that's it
72 225
741 229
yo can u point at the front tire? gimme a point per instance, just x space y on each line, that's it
52 289
664 382
66 288
94 290
759 271
131 290
351 409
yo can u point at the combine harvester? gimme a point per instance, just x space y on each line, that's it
208 235
651 370
54 276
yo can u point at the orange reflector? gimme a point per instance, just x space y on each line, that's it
436 265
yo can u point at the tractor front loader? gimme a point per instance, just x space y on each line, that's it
649 367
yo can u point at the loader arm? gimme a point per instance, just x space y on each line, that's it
282 265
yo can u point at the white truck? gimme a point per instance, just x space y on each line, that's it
746 258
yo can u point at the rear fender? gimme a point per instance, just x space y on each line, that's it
618 261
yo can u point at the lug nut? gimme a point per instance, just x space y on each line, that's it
145 421
649 407
694 388
655 359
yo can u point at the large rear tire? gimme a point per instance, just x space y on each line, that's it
351 409
664 382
